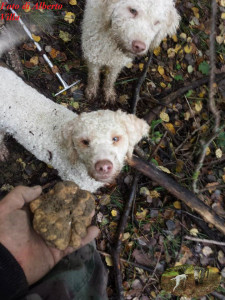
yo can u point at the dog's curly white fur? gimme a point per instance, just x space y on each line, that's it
89 149
115 31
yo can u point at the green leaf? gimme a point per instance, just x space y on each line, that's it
189 93
178 77
154 162
204 68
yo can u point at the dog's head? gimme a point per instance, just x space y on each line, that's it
102 140
138 26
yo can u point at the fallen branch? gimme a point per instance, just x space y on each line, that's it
173 96
117 247
212 106
205 241
188 197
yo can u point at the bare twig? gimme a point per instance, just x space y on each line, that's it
141 79
174 95
117 246
178 191
205 241
212 106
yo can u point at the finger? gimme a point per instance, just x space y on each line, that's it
18 197
92 233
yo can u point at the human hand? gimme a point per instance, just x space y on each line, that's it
16 233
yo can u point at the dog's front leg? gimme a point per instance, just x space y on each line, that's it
109 90
93 81
4 153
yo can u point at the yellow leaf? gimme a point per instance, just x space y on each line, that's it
34 60
164 169
141 66
194 231
126 236
69 17
219 153
141 215
220 39
129 65
157 51
65 36
198 106
163 85
36 38
114 213
171 53
73 2
177 204
204 128
154 194
161 70
109 261
222 3
170 127
164 116
223 16
174 38
76 105
188 48
183 36
177 48
196 12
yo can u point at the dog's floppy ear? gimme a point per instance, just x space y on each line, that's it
67 140
169 27
136 129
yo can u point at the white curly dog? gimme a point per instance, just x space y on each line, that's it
115 31
89 149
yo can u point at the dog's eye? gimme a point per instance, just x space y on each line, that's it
133 11
85 142
115 139
156 23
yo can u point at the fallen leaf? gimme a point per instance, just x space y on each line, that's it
164 169
109 261
36 37
177 204
170 127
161 70
164 116
207 251
219 153
194 232
65 36
34 60
157 51
114 213
73 2
198 106
69 17
141 66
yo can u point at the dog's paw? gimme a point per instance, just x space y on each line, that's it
91 93
110 96
4 153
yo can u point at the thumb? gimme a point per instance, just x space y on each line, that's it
18 197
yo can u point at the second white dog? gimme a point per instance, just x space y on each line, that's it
89 149
115 31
